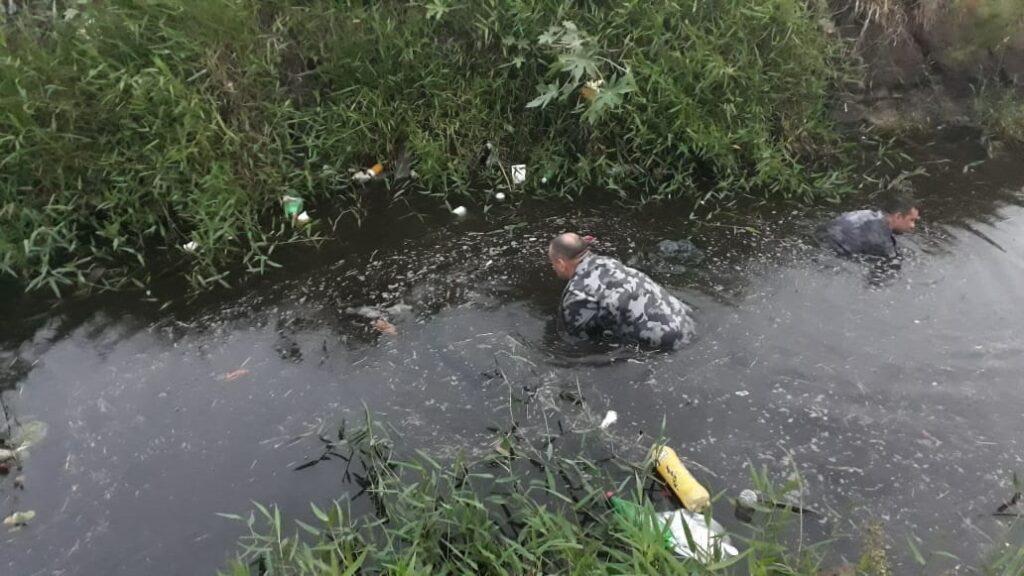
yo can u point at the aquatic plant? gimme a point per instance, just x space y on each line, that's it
522 510
526 509
154 135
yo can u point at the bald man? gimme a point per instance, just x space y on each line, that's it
606 299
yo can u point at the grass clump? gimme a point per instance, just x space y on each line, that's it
521 511
132 127
1001 115
526 510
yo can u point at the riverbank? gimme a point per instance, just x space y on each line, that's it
155 138
159 137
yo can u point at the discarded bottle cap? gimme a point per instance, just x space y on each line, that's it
303 218
190 247
292 206
518 173
459 211
500 196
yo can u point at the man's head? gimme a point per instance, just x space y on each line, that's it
900 210
565 253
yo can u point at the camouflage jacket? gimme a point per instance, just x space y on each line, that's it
607 299
859 233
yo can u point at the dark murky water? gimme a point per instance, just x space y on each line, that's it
899 399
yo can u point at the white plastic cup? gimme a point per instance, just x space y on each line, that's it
518 173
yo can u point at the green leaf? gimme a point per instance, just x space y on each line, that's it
915 552
548 92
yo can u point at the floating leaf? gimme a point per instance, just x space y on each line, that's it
548 92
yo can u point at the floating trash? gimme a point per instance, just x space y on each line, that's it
235 375
459 211
709 540
610 418
303 218
591 90
28 435
500 196
20 518
690 492
370 173
292 207
746 505
384 327
518 173
190 247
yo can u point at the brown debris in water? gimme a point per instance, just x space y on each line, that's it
235 375
385 327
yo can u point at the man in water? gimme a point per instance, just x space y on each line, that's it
872 232
607 299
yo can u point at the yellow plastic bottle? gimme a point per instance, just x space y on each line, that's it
694 496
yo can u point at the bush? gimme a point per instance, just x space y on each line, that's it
131 127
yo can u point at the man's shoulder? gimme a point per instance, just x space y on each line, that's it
860 217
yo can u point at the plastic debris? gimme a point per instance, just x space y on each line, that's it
6 455
610 418
500 196
303 218
459 211
591 89
190 247
633 513
690 492
292 207
235 375
28 435
384 327
748 501
370 173
489 155
710 542
20 518
746 505
518 173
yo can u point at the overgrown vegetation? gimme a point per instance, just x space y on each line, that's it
1001 114
132 127
528 510
521 511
